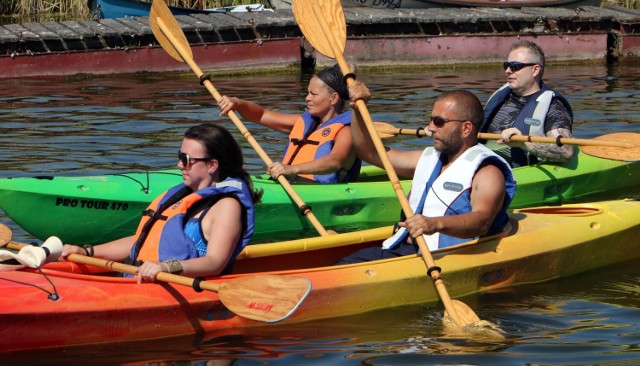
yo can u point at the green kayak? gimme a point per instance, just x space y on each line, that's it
96 209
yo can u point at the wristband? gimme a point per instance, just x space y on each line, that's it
174 266
88 250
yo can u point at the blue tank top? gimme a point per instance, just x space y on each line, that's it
193 232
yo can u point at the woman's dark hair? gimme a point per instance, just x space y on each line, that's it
219 144
332 76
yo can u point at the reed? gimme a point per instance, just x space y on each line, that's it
79 9
60 8
50 6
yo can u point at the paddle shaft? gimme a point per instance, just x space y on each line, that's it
395 182
305 210
420 132
126 268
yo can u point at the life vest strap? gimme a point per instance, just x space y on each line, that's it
180 194
300 142
155 215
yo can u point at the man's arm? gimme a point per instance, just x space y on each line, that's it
558 123
487 198
404 162
552 152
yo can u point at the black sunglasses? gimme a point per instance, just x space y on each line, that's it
187 160
439 121
516 65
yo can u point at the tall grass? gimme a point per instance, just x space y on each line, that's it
79 9
25 7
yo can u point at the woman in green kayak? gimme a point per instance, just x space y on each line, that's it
196 228
319 147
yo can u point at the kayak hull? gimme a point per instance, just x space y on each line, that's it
94 309
108 207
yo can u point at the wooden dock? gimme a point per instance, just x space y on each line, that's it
273 40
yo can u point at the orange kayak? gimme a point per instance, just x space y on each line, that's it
71 304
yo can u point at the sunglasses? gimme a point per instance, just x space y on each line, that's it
187 160
439 121
516 65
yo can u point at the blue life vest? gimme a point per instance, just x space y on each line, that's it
166 239
531 119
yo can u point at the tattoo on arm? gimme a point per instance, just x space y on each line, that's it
553 152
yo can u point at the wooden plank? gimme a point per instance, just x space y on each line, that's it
22 33
98 28
122 29
7 36
621 14
42 32
64 32
274 19
217 20
140 25
225 30
276 25
185 23
198 24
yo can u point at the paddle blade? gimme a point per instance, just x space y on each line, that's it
471 323
307 12
631 153
265 298
160 13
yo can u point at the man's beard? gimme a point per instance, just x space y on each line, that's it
452 145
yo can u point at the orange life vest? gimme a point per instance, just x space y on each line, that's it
160 235
308 142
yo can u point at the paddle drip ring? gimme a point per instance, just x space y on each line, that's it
349 75
196 284
434 268
204 78
304 209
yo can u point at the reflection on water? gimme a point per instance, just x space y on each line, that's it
87 125
91 125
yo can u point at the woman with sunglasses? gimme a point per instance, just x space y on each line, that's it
198 227
527 106
319 147
460 189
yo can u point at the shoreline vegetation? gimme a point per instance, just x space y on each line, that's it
22 11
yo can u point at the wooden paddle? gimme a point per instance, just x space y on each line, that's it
267 298
623 146
323 25
167 31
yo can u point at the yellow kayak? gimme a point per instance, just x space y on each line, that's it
92 306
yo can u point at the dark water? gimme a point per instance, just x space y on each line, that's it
94 125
